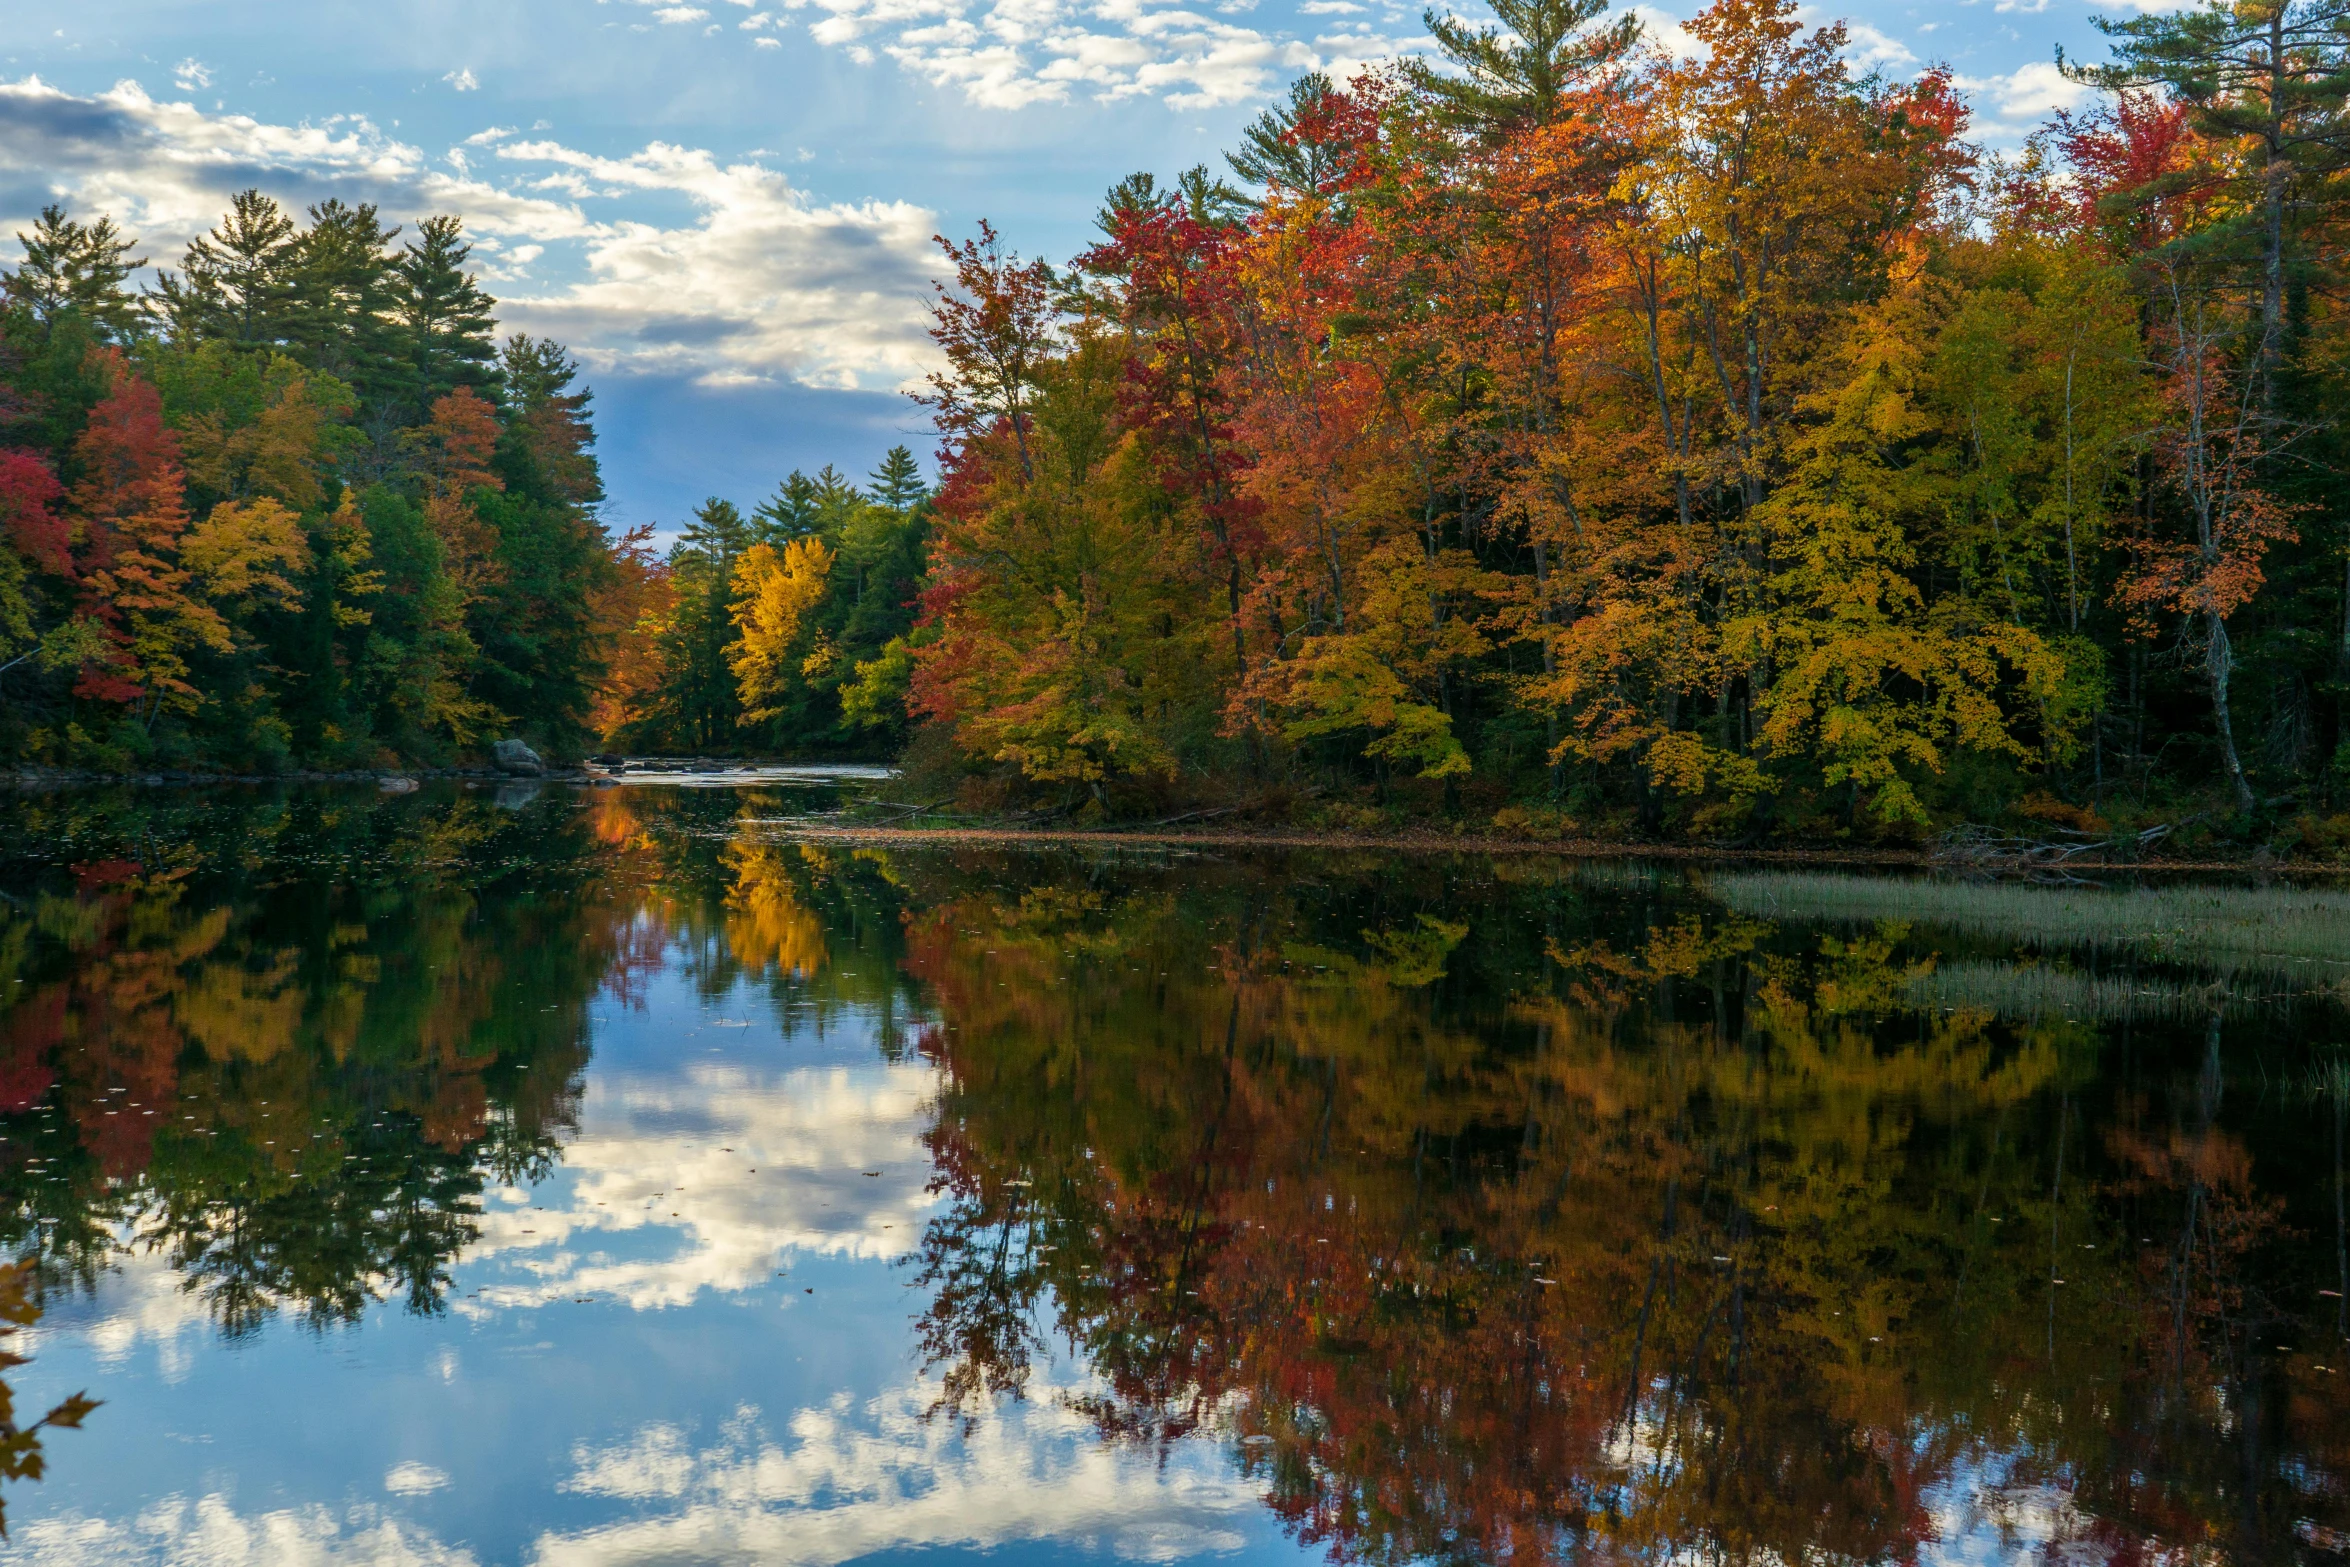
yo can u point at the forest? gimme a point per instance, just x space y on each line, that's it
1712 445
1558 434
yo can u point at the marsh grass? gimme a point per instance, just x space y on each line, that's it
2329 1080
2302 934
2028 991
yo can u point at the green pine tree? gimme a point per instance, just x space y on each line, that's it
1517 74
80 267
234 284
339 313
444 322
897 483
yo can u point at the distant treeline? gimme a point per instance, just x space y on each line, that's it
292 504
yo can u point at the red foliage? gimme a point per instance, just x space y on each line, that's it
1183 303
28 494
131 503
460 442
2129 163
131 486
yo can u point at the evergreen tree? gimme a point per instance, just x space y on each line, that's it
804 507
2274 74
1520 73
1293 145
897 483
234 284
549 421
444 320
699 704
339 312
80 267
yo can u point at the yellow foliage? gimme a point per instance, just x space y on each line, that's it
238 1013
773 593
766 923
251 553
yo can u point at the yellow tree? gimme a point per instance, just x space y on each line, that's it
248 555
1867 676
773 593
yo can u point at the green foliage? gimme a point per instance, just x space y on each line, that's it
361 568
714 678
79 268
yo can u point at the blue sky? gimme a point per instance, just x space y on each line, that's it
724 206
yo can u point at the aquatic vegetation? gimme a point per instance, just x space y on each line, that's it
2289 930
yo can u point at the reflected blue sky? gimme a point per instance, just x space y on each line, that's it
690 1343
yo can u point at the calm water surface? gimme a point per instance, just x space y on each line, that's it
552 1176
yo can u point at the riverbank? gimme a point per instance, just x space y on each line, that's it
1411 842
1410 838
39 778
1433 842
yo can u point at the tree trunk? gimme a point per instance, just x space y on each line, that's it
2219 663
1549 665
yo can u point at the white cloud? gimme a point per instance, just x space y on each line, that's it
1008 54
463 80
414 1479
191 74
775 1166
141 1299
764 283
680 13
1665 33
1872 48
841 1481
176 1532
760 283
846 1484
768 43
2012 106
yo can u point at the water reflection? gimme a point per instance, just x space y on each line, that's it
762 1198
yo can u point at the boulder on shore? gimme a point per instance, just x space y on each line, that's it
514 756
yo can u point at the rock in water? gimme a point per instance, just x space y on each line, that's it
514 756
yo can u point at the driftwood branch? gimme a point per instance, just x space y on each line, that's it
2051 858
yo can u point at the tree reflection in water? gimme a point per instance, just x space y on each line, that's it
1488 1209
1506 1214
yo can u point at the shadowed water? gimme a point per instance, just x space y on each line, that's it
600 1177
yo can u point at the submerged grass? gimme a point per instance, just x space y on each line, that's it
2291 931
2034 990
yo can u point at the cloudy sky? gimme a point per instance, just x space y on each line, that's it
724 206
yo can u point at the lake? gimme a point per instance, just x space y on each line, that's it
533 1174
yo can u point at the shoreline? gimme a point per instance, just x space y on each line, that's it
1473 843
1410 842
1012 836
